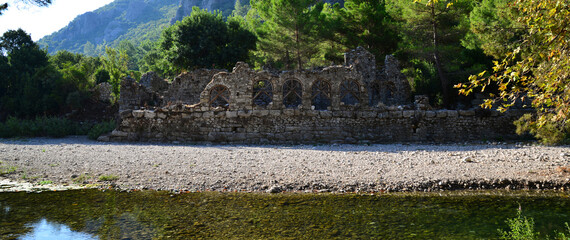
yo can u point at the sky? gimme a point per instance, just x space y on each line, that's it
42 21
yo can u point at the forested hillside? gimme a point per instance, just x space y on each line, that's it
131 20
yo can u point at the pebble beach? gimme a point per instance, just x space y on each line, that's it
75 162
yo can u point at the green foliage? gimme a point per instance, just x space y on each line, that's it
41 126
45 182
100 129
5 170
535 68
116 64
240 9
423 78
52 127
493 28
35 84
134 54
204 40
432 31
549 133
367 23
289 33
106 178
28 79
521 228
101 76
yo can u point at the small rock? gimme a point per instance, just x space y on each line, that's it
274 189
468 160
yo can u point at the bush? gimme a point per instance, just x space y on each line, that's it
55 127
522 228
52 127
549 133
100 129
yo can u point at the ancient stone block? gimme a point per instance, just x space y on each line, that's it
161 115
207 114
452 113
244 113
466 113
231 114
408 113
138 113
149 114
396 114
126 113
117 133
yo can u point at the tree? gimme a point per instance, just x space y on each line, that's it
240 9
116 63
432 32
367 23
535 68
134 53
289 33
41 3
494 28
78 70
204 40
28 80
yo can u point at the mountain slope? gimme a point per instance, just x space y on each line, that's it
134 20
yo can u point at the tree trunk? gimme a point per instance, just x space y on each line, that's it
298 45
440 72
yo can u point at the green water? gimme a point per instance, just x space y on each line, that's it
93 214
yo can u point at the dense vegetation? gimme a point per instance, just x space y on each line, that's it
440 44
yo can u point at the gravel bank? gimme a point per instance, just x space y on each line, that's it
336 168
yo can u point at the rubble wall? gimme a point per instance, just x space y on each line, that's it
313 126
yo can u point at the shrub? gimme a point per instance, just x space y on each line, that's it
55 127
550 133
521 228
52 127
100 129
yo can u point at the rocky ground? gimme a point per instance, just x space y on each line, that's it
76 161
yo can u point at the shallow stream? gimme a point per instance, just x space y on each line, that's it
95 214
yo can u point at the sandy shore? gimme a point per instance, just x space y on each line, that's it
77 161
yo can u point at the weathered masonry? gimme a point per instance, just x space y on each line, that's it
351 103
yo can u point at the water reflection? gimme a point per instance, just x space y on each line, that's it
93 214
44 230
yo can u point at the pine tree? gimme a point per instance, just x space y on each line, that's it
289 33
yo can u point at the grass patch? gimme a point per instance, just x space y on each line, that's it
82 179
5 170
106 178
46 182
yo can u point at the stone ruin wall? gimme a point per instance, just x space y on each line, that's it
352 103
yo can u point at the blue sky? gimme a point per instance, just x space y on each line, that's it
41 21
